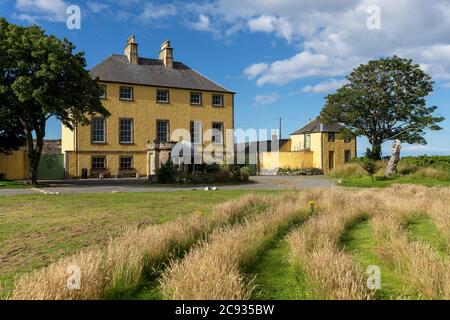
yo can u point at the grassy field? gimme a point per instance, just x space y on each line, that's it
313 244
427 171
13 184
36 230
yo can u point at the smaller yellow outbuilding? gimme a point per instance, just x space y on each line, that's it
316 145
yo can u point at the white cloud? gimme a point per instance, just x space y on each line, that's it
96 7
335 32
324 87
202 24
253 71
268 24
33 10
153 11
266 99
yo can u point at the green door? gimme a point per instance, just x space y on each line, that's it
51 166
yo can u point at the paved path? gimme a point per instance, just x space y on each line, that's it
141 185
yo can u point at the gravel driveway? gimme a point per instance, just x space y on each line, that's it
141 185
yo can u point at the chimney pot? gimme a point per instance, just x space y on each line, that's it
131 50
166 54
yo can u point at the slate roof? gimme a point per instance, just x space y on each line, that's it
317 126
152 72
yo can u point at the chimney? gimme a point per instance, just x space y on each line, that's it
166 54
131 50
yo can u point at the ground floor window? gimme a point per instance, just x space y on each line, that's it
217 137
126 162
347 155
98 162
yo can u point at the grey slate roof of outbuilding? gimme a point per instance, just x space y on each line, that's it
152 72
317 126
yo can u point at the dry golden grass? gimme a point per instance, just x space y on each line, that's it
120 265
213 270
224 243
415 262
315 246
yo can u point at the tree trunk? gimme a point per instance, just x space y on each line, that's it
395 158
34 156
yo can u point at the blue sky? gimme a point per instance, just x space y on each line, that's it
281 57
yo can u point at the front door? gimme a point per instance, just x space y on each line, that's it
331 160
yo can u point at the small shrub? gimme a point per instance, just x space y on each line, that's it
369 166
167 173
245 174
300 172
235 170
212 168
223 175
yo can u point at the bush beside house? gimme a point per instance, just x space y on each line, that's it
205 173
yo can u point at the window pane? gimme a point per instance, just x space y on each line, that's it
126 131
98 162
162 96
126 162
217 133
307 141
126 93
217 100
196 98
162 129
347 155
103 92
331 137
196 132
98 130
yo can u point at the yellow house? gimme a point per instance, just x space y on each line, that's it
153 104
316 145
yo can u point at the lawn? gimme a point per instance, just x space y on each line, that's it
38 229
12 184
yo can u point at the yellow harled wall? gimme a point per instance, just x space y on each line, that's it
145 112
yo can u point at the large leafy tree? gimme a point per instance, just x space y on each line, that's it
11 135
42 77
385 99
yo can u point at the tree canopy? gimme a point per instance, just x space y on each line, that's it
42 77
385 99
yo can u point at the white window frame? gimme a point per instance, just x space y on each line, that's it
94 134
131 93
98 157
167 96
125 157
196 132
199 103
131 131
216 133
221 100
104 95
167 130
